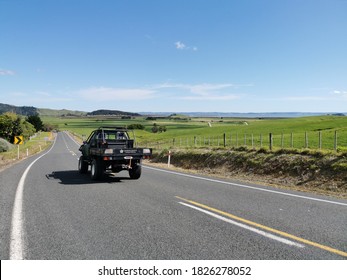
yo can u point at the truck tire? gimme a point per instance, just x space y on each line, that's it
82 166
96 169
135 172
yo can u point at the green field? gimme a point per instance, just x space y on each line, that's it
322 132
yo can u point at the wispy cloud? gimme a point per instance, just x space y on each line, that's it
327 95
6 72
181 46
212 97
38 99
178 91
340 93
113 94
305 98
203 91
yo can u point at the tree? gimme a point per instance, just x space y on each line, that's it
162 128
12 125
6 126
155 128
28 129
36 121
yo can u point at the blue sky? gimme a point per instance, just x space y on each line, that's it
179 55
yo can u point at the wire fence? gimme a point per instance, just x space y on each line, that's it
306 140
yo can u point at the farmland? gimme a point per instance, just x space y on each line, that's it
316 133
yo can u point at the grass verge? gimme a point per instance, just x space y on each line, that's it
33 146
302 170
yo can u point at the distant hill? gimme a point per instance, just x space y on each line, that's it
243 115
111 113
60 113
23 110
29 111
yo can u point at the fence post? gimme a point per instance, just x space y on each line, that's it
270 141
291 140
335 141
282 140
168 159
252 141
320 139
261 140
306 140
225 140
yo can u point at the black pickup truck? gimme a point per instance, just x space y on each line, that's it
110 149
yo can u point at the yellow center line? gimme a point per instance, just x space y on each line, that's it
282 233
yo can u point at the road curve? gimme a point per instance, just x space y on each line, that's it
50 211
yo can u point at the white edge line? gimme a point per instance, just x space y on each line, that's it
67 134
260 232
246 186
17 229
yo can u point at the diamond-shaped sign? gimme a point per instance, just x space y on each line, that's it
18 140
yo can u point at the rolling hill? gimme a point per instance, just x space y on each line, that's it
29 111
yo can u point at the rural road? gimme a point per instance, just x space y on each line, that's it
50 211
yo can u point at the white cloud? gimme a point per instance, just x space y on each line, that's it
339 93
203 91
331 95
6 72
306 98
206 89
114 94
212 97
38 99
181 46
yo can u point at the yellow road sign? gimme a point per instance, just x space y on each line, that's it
19 140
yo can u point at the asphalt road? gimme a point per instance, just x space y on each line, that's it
50 211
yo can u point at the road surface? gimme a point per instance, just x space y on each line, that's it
50 211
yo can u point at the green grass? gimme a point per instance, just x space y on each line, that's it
287 133
40 142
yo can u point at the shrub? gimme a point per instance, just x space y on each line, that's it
5 146
136 126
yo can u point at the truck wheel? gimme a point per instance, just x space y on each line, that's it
82 165
96 170
135 172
